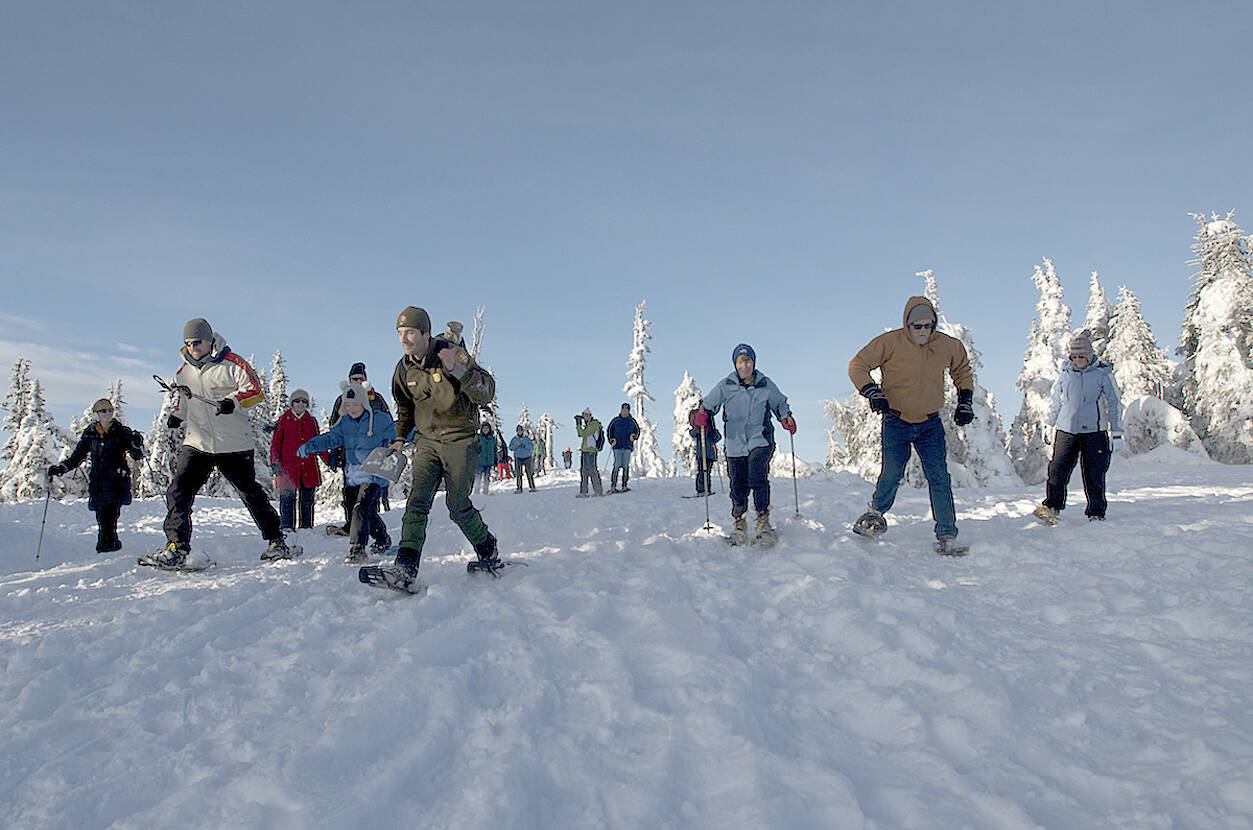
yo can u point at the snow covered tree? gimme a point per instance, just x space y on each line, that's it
976 452
476 339
546 426
15 405
276 397
162 445
39 443
861 429
1141 366
646 460
686 398
524 421
1046 349
1217 341
1099 312
329 499
836 456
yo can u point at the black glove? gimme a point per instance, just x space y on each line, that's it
965 411
277 468
226 406
173 422
56 470
878 401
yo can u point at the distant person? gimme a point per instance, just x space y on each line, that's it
360 430
487 456
913 360
216 388
356 374
1085 412
541 455
522 448
567 457
502 458
107 443
749 398
706 438
623 432
296 478
591 439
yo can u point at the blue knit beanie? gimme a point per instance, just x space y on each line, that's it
745 349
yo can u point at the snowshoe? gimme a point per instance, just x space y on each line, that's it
1047 515
870 524
765 536
336 530
174 557
396 577
356 556
949 546
279 549
1090 519
380 547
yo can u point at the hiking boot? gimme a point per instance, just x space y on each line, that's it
1090 519
356 555
173 555
1046 514
949 546
739 533
381 546
277 549
487 550
763 523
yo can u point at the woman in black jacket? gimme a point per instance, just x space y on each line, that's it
109 478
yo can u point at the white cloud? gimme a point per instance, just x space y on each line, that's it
72 378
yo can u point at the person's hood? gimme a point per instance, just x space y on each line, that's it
914 302
215 355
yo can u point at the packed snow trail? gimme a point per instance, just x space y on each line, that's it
641 674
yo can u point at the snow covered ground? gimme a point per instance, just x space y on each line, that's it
641 674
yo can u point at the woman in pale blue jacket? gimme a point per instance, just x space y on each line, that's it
748 399
1086 417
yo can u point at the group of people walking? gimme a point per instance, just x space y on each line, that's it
438 391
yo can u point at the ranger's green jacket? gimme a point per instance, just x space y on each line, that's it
442 404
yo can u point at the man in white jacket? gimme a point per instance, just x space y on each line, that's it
216 387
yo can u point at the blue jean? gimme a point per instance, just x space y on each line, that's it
621 461
928 439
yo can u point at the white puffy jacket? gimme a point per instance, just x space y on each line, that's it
222 374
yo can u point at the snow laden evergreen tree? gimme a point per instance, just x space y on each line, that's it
1046 349
1141 367
836 456
646 460
329 499
686 398
16 402
546 427
976 452
1099 311
39 444
524 421
161 445
1216 342
861 430
276 398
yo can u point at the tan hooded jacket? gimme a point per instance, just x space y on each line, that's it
913 375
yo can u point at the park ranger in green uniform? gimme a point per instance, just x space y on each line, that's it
437 388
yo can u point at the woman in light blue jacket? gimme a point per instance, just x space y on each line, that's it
1086 417
748 399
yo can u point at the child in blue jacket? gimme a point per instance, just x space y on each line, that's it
359 431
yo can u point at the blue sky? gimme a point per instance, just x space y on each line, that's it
771 173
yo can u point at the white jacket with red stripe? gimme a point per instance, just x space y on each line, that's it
223 374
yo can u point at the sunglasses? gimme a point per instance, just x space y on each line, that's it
196 342
922 326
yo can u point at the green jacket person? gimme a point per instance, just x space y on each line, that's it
437 388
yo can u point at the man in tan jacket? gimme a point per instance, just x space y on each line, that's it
913 360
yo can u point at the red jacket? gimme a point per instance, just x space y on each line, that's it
289 436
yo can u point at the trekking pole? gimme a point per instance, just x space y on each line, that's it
795 490
708 524
174 390
47 498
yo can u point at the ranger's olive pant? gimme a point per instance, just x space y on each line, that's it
454 463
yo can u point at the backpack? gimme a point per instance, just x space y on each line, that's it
600 439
